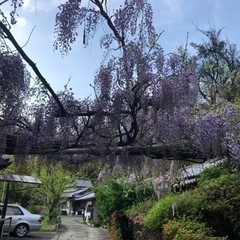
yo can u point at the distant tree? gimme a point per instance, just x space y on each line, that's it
218 67
55 178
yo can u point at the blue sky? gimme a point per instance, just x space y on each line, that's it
175 17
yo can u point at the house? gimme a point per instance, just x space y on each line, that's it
79 199
187 176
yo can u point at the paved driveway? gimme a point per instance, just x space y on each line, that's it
34 236
74 230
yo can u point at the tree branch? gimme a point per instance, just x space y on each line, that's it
33 66
153 151
109 22
1 3
182 152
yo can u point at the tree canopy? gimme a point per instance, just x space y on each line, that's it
146 102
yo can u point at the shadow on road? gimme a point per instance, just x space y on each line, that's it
34 236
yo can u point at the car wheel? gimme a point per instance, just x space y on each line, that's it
21 230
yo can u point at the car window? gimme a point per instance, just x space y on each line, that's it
13 211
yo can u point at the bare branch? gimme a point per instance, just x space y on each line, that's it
1 3
29 37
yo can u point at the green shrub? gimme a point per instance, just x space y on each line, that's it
222 204
95 223
187 229
135 216
236 229
187 204
190 203
116 195
35 209
211 173
64 213
161 212
109 197
140 208
216 202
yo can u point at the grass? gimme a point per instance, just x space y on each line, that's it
48 227
52 227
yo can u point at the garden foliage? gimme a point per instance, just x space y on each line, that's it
116 195
214 204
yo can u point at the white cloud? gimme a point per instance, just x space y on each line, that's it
22 30
26 3
167 11
41 5
22 22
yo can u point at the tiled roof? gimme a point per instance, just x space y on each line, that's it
89 196
195 169
69 194
79 187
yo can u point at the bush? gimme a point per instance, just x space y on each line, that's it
187 204
187 229
136 215
141 208
211 173
190 203
35 209
222 204
215 202
115 195
64 213
109 197
161 212
95 223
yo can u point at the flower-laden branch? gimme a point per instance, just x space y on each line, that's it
109 22
33 66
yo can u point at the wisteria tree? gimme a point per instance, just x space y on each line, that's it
144 99
145 103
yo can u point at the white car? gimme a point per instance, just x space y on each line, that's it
23 221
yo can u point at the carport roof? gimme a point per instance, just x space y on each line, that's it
19 178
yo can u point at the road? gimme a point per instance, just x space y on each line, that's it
72 230
34 236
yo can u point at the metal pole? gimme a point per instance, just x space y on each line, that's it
3 191
4 209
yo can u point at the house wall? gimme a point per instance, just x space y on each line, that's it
69 207
76 207
76 198
93 211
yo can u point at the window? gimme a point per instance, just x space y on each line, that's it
13 211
